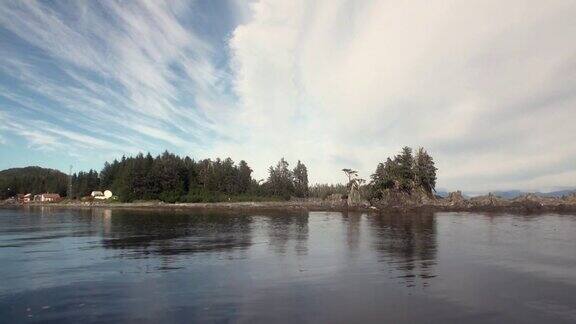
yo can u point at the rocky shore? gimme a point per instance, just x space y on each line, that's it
457 202
392 203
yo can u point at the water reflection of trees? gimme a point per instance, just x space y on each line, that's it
285 228
408 243
139 234
169 234
53 222
352 221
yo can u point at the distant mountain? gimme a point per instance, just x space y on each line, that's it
32 179
442 193
30 170
511 194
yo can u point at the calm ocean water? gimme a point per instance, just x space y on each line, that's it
101 265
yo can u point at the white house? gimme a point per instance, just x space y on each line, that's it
96 194
101 195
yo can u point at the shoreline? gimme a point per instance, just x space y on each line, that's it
217 206
441 205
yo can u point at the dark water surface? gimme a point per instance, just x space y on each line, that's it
166 266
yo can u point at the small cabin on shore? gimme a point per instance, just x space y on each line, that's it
49 197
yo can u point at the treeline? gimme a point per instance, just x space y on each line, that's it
283 182
172 178
406 172
165 177
33 180
83 183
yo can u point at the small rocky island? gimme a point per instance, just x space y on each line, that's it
407 182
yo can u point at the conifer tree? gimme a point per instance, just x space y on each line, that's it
244 177
405 173
300 180
405 163
280 180
425 171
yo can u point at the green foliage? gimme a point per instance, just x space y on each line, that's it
425 171
170 178
405 165
170 196
166 177
83 183
300 172
244 177
404 173
213 197
280 180
199 195
322 191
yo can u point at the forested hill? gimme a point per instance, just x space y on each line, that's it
31 179
167 177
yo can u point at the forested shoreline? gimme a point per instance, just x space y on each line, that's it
166 177
171 178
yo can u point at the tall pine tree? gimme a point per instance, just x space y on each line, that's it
300 180
425 171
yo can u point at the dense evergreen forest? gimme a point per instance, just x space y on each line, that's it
171 178
165 177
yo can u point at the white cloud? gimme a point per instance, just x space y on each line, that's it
486 86
36 138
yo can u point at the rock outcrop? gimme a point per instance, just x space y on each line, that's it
394 199
354 197
455 201
488 201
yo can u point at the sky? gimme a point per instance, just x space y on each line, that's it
487 87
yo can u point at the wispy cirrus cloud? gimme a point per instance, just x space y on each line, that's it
36 138
133 70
